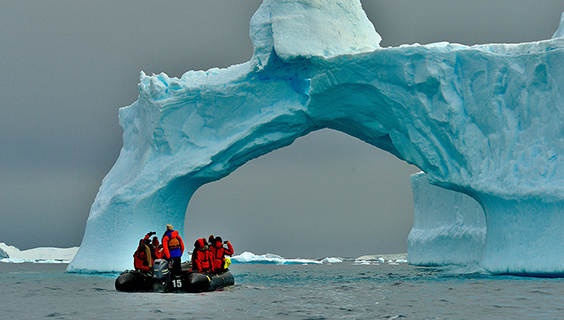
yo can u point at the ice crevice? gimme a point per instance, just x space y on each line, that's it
482 121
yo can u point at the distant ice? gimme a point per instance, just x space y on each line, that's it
391 258
38 255
269 258
331 260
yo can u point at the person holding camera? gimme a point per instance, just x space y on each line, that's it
219 252
142 258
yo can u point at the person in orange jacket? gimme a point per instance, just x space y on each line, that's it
218 253
201 257
173 247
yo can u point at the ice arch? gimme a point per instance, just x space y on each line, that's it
485 120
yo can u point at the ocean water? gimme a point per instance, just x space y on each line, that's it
265 291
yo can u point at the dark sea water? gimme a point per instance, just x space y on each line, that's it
264 291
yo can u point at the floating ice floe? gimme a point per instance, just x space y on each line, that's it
269 258
331 260
391 259
14 260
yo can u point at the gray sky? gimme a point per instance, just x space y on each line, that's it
67 66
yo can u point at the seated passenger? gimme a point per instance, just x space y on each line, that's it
142 260
157 252
201 257
218 253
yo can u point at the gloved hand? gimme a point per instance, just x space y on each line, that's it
151 233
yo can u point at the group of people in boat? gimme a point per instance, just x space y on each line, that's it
208 255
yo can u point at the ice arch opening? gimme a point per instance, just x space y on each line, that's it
311 199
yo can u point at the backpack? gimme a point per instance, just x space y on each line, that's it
173 244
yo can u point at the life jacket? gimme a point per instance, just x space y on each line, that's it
158 253
202 258
203 261
173 244
218 255
156 249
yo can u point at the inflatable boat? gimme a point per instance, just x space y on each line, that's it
163 281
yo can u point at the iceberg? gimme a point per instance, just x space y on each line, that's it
484 120
12 254
331 260
269 258
382 258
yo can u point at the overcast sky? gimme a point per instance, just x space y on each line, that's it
67 66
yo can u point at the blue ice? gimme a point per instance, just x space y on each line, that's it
485 120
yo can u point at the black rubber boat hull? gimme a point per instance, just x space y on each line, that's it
134 281
131 281
198 282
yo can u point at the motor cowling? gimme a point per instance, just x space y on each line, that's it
160 269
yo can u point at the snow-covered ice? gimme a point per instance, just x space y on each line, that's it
330 260
485 120
39 255
377 259
269 258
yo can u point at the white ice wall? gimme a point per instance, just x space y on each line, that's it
449 227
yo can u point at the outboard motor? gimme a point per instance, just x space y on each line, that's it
160 269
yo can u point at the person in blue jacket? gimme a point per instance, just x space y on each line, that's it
173 247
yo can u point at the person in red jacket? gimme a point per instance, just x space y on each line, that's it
142 260
157 251
201 257
218 253
173 247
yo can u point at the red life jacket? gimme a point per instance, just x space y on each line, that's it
202 261
218 254
140 261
